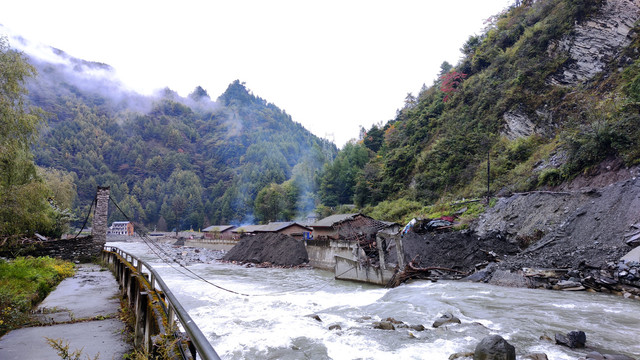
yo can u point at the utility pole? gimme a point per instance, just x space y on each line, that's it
488 176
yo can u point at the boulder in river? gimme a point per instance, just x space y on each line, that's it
384 325
594 355
573 339
536 356
446 318
315 317
494 347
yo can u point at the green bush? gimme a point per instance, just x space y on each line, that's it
399 210
594 141
550 176
23 283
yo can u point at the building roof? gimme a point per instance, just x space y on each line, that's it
120 222
218 228
277 226
330 221
246 228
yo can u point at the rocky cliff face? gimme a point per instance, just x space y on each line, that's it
519 124
596 41
590 47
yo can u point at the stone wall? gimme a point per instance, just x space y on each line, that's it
81 250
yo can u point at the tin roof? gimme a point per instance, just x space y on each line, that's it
218 228
329 221
246 228
277 226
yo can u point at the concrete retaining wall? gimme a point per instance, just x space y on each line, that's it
348 269
322 253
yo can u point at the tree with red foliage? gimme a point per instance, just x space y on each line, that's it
450 82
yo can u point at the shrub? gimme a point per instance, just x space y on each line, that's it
550 176
594 141
23 283
399 210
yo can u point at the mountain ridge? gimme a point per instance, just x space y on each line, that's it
172 162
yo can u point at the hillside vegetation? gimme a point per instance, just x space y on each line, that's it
515 100
547 92
173 162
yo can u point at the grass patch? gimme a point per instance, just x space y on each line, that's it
465 210
24 282
403 210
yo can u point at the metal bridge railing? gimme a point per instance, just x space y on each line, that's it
144 287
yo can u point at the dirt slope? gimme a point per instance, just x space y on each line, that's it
276 249
574 226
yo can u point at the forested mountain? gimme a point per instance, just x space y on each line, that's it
174 162
549 90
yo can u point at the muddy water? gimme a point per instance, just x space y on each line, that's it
272 322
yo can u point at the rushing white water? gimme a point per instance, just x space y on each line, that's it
272 322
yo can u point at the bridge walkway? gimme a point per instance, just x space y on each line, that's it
83 312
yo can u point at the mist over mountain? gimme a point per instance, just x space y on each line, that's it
172 161
549 91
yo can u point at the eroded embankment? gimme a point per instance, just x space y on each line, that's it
572 238
581 234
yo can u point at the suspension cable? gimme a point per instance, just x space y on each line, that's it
87 217
190 273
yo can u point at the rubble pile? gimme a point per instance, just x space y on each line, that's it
269 249
460 250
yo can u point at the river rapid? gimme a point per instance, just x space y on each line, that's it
273 322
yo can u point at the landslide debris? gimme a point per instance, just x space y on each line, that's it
271 248
570 238
567 228
459 250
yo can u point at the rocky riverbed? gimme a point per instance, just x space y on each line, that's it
189 255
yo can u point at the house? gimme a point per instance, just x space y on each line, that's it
311 218
245 230
121 228
391 228
347 226
290 228
219 232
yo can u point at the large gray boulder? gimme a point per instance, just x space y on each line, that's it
573 339
494 347
446 318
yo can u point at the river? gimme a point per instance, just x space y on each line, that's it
273 322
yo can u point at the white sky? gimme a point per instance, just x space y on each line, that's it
332 65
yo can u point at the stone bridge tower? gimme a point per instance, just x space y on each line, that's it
99 228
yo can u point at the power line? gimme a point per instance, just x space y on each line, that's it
86 218
192 275
148 241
